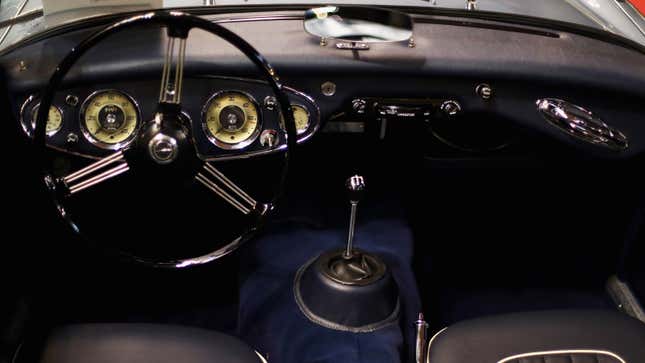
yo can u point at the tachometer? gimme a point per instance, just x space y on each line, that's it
231 119
109 119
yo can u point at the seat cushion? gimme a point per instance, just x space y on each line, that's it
143 343
547 337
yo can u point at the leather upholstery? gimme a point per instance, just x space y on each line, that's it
579 336
143 343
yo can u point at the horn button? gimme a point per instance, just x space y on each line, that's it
163 149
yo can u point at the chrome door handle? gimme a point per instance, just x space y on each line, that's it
581 124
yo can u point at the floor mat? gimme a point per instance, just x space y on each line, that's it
271 322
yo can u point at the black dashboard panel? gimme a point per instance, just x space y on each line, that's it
73 138
447 62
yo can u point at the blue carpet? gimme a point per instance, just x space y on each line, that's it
271 322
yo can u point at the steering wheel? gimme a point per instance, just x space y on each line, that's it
163 151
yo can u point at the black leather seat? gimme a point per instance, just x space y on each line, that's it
143 343
545 337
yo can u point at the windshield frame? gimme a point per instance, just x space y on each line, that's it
417 12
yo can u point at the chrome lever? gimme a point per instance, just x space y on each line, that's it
355 189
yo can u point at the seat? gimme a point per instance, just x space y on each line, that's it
576 336
143 343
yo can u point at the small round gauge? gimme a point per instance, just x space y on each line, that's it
301 116
231 120
28 119
109 119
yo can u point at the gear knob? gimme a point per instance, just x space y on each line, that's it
355 188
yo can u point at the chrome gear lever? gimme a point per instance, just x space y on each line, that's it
355 189
347 288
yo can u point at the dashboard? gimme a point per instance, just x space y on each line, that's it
338 91
229 117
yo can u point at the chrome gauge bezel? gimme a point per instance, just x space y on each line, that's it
30 129
314 124
91 139
241 144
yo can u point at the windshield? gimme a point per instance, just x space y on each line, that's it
616 16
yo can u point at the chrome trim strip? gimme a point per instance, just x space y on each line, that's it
565 351
250 19
21 7
23 108
624 298
581 124
29 129
432 341
632 14
262 359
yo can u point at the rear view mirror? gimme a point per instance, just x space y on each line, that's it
358 25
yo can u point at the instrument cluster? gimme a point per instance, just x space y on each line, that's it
229 118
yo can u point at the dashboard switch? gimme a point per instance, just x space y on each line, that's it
359 105
451 107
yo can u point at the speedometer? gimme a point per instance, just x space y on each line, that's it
109 119
231 119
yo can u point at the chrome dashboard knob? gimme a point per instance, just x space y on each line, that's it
450 107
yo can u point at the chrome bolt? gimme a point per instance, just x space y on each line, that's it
72 138
484 91
22 66
328 88
269 138
71 100
323 42
270 103
412 43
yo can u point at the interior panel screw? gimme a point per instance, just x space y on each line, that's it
323 42
328 88
72 138
71 100
22 66
484 91
411 43
270 103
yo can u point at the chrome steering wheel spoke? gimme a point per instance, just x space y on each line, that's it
95 173
173 69
225 188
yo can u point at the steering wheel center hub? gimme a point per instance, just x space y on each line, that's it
163 149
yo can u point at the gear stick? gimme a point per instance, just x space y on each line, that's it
355 189
348 289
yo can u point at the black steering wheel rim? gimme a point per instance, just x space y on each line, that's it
178 23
